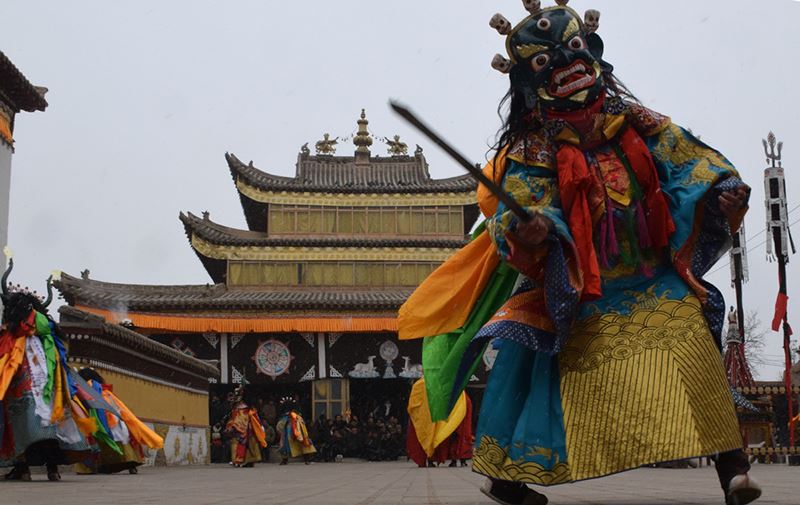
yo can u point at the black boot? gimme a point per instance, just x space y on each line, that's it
512 493
52 472
20 471
738 486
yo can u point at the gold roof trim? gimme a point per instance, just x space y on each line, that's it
356 199
296 253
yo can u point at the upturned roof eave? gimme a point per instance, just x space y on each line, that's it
16 87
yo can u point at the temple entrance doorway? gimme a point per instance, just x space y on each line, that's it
380 398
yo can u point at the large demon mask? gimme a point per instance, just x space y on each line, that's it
555 57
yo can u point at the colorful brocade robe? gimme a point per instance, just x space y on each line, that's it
607 334
294 436
40 419
247 435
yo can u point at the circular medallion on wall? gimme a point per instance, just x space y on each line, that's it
272 358
388 351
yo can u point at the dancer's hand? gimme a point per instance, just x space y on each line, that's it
533 233
732 202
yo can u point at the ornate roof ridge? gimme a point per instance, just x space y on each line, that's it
341 174
133 340
67 282
224 235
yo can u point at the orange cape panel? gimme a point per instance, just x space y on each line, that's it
444 300
446 297
10 361
258 429
494 170
137 429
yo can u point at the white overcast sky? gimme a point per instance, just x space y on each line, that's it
147 96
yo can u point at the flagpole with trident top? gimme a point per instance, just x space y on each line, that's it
778 228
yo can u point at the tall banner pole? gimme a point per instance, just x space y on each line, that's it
778 228
739 274
736 365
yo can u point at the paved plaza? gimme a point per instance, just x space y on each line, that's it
364 483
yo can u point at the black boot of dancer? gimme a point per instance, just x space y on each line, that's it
512 493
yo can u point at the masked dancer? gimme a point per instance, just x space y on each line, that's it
246 433
41 422
294 439
608 336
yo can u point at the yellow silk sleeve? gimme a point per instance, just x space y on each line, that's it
431 434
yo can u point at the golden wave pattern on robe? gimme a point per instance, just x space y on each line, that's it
644 387
636 388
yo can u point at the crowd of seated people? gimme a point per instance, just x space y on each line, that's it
373 439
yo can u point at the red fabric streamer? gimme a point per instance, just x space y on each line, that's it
659 220
574 181
780 311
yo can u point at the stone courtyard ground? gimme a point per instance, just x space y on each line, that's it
364 483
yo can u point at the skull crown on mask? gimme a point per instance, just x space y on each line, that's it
555 57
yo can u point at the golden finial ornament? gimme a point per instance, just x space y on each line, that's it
396 147
326 146
362 139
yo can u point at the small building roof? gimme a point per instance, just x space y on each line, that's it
116 345
218 298
17 91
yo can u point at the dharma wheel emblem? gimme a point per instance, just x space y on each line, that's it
272 358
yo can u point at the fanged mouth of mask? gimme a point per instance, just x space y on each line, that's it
570 79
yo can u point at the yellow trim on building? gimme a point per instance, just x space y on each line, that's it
226 252
356 199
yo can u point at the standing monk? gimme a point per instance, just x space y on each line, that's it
293 432
246 433
608 335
